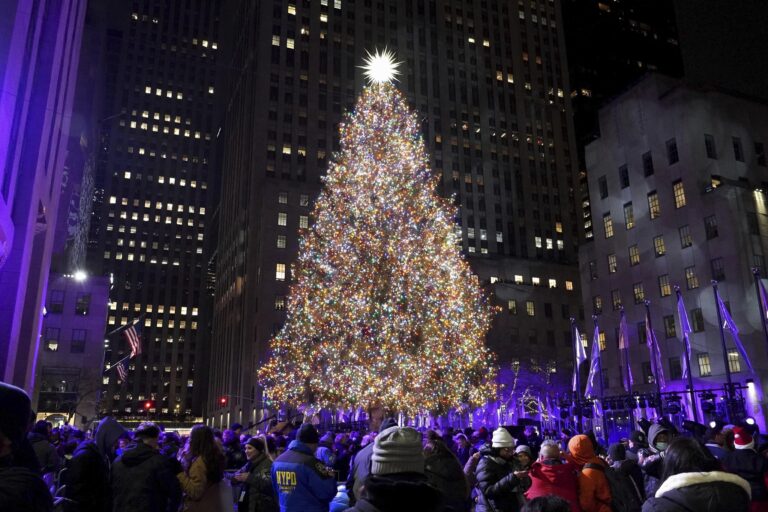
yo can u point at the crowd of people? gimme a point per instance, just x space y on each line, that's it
386 467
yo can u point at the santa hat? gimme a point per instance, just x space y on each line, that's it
742 439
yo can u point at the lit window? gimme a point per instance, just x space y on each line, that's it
148 90
612 263
324 18
512 306
559 227
679 191
127 175
289 43
210 89
279 302
733 361
282 219
608 225
553 283
639 293
690 277
530 308
280 272
665 289
705 368
281 241
537 242
535 281
658 246
629 216
303 221
569 286
654 207
282 198
518 279
292 9
686 240
634 255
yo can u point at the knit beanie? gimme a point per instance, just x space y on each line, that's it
308 434
502 438
397 450
742 439
16 412
257 443
523 449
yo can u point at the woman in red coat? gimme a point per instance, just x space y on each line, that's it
550 475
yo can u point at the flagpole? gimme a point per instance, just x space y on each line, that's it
576 398
599 360
758 284
687 355
117 363
729 385
625 356
654 359
135 321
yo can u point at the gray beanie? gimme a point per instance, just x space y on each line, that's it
397 450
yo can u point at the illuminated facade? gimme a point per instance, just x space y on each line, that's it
677 181
152 202
489 79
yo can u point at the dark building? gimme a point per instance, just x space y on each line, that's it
490 80
152 201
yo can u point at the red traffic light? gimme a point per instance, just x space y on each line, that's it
223 400
147 405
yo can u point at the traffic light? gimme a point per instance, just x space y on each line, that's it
223 401
147 405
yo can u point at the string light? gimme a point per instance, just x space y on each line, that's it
384 310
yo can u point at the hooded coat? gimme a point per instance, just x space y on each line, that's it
445 473
594 491
143 479
653 465
87 478
497 484
713 491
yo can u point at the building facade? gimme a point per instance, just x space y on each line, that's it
489 79
152 201
39 57
677 181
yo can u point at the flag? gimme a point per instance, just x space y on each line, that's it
729 324
653 349
581 355
627 379
685 326
763 298
134 339
122 371
594 364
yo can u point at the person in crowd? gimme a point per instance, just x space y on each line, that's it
637 441
497 477
46 453
691 482
715 439
479 439
446 473
87 478
397 481
462 448
594 492
617 459
343 450
21 487
748 464
325 455
659 437
550 503
362 461
142 478
255 493
470 468
237 430
233 453
301 482
170 444
523 456
202 461
551 475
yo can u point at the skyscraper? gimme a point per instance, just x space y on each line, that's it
39 56
489 80
152 201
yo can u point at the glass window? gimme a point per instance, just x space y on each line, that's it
647 163
602 184
634 255
738 151
56 301
623 176
658 246
279 302
654 208
78 341
679 191
710 226
601 340
639 293
281 241
647 373
672 156
734 363
686 240
280 272
612 266
709 145
690 277
669 326
530 308
282 198
675 370
665 289
512 306
705 369
304 200
616 299
597 304
303 221
718 269
51 339
629 216
642 335
282 219
608 225
697 320
593 270
83 304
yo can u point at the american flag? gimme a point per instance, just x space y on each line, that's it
134 339
122 371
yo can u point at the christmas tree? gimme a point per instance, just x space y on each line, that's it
384 310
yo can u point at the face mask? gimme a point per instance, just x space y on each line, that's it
661 446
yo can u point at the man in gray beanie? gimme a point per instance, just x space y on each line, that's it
397 481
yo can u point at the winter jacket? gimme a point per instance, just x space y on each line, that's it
22 490
714 491
301 482
45 452
201 494
234 455
87 478
594 491
717 451
632 469
142 479
751 467
401 492
361 466
555 477
497 484
256 493
445 473
653 465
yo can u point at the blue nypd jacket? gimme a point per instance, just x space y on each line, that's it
301 482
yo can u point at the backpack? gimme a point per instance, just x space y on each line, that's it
625 497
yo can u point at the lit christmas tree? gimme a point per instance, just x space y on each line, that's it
384 310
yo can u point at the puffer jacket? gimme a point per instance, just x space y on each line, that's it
713 491
400 492
302 482
594 491
554 477
751 467
258 487
497 484
142 479
653 465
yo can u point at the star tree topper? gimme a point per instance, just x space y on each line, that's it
381 67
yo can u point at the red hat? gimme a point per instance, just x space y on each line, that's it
742 439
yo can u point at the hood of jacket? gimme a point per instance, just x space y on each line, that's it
138 453
581 449
653 433
683 480
390 492
107 433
